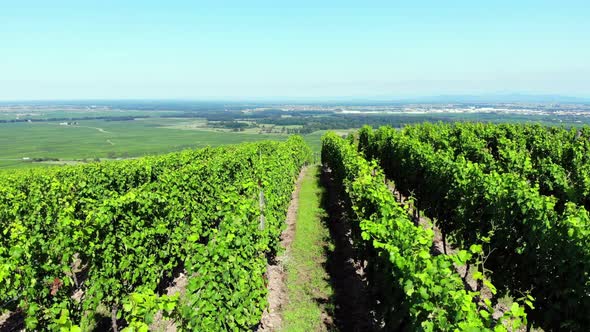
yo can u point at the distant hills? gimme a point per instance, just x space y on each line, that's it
497 98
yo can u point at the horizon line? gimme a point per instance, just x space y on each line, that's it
492 97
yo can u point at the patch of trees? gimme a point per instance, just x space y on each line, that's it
238 114
233 125
125 118
40 159
341 121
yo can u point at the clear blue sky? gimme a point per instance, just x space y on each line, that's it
250 49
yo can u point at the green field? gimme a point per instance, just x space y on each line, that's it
115 139
155 132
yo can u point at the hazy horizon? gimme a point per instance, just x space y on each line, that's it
138 50
450 98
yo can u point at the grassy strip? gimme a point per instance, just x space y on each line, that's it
307 281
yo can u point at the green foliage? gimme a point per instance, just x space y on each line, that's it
433 293
517 190
78 239
141 307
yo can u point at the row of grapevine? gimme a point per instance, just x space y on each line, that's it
419 291
556 159
86 243
531 245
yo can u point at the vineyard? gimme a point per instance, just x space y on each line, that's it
420 291
518 192
447 220
93 247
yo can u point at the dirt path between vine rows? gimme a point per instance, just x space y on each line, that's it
277 291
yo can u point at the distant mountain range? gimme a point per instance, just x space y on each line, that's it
498 98
438 99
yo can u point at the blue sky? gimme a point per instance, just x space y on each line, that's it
260 49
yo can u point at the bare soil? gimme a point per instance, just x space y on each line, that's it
12 321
